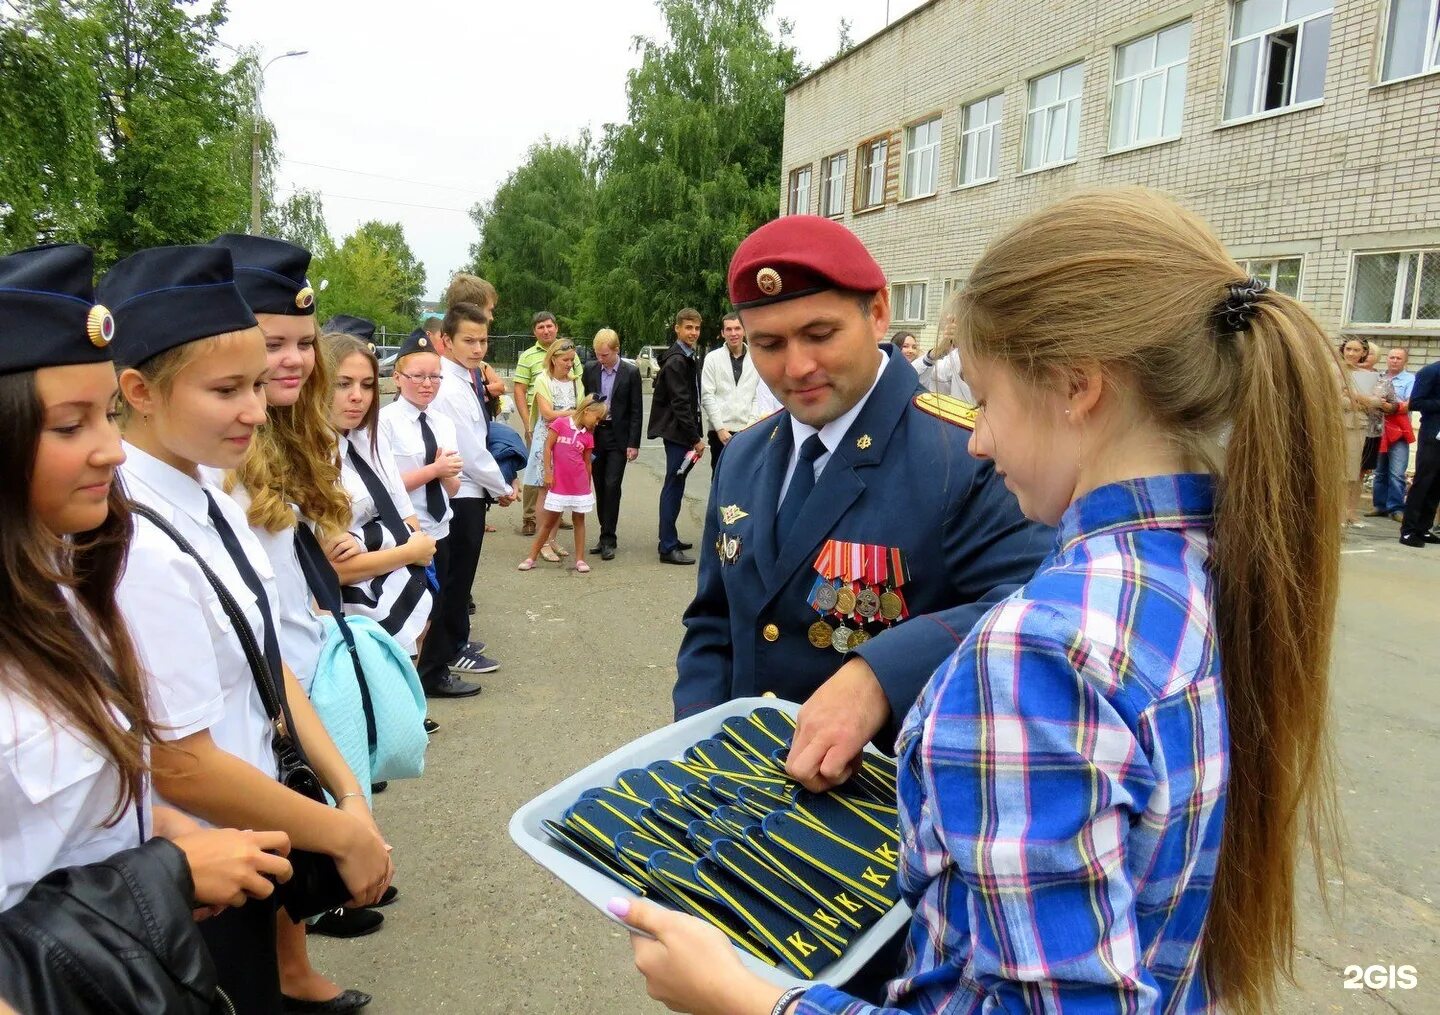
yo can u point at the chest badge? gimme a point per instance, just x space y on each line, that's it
864 442
731 513
727 548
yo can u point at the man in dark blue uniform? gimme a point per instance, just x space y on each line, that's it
850 541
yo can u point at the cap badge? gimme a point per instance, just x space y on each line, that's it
768 279
305 298
731 513
422 342
864 442
100 326
372 347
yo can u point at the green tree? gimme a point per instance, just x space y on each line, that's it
694 170
530 233
300 218
389 238
371 274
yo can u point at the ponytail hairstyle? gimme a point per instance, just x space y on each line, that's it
1130 281
335 348
45 658
295 459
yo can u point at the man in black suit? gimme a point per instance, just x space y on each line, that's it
675 419
617 439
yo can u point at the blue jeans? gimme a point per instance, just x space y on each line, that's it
1389 492
672 495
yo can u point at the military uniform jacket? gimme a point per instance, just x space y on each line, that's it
900 478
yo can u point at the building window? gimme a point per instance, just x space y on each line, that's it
1412 39
799 192
907 302
832 184
922 159
871 158
980 141
1052 124
1149 93
1278 50
1280 273
1399 287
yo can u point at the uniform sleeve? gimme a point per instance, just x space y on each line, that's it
1035 780
390 474
480 467
705 661
990 550
165 612
1425 395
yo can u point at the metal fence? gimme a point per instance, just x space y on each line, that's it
505 350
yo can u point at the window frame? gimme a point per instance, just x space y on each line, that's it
1431 63
932 148
1231 42
792 205
1162 72
1248 264
1060 102
895 307
865 166
992 128
1428 324
829 179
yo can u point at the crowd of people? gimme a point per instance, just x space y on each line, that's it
1005 559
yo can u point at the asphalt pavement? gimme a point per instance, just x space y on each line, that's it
588 662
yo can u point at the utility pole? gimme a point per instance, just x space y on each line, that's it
255 210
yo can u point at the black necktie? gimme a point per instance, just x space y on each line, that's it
477 382
801 483
253 583
434 494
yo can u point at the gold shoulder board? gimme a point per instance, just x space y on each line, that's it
947 407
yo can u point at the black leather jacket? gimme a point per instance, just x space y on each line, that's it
115 936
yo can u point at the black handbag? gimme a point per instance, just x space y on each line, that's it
315 884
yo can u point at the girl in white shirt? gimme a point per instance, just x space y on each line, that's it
193 375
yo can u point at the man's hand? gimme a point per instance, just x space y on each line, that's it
631 454
835 725
724 436
509 498
699 447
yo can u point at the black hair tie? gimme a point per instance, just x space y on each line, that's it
1234 313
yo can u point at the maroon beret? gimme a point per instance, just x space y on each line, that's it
800 255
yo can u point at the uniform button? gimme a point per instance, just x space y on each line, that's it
771 632
768 694
88 755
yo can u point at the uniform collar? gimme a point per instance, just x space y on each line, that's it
409 410
833 432
173 486
450 368
1182 501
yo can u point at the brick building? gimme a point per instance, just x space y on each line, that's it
1307 132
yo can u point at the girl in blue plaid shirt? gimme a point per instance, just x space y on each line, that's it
1103 791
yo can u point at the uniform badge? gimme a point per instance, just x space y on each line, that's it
422 342
727 548
949 408
305 299
100 326
775 431
864 442
768 281
372 347
731 514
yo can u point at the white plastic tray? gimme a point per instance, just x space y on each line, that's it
671 742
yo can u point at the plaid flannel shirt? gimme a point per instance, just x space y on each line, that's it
1062 779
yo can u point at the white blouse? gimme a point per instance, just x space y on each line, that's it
199 678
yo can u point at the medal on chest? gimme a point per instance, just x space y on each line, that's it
856 593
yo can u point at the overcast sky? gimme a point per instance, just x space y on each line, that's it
414 110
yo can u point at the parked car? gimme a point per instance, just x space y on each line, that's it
647 361
387 364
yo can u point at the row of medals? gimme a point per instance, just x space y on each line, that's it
867 604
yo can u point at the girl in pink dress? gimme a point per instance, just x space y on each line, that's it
566 463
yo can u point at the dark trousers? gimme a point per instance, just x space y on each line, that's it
609 471
1424 496
715 449
672 495
456 558
242 946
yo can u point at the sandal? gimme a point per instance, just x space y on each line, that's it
560 549
528 564
548 552
582 567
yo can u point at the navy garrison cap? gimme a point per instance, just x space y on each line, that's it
271 274
347 325
416 341
48 316
167 296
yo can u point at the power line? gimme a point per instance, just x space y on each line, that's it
377 176
373 200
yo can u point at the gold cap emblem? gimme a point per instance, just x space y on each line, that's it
768 279
100 326
305 298
422 342
372 347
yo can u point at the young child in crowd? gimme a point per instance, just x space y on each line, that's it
566 475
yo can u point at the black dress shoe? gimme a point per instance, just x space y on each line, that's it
378 787
347 1000
1416 541
598 548
607 553
685 546
432 727
676 557
347 923
1377 513
390 894
451 686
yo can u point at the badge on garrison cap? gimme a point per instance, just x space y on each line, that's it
100 326
305 298
768 281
